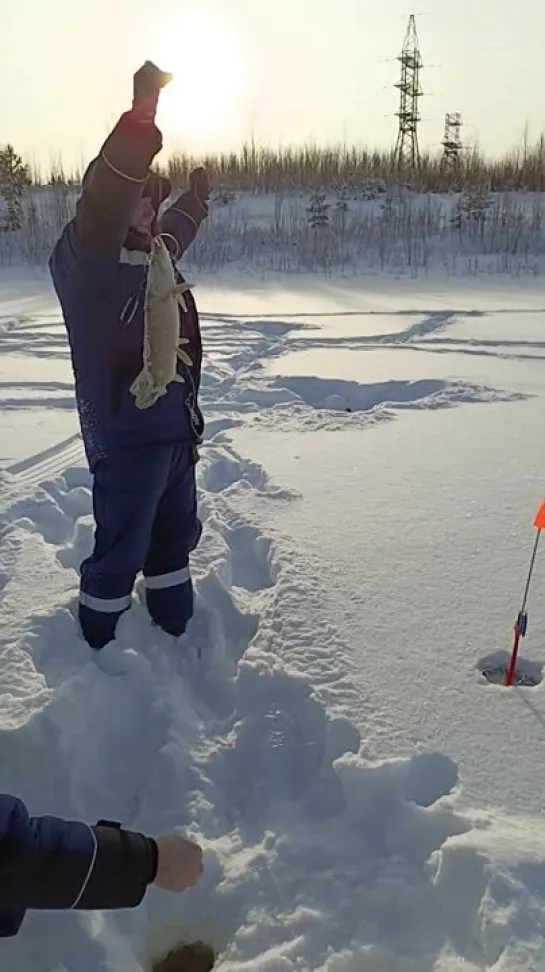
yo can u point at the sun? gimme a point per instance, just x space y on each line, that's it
207 95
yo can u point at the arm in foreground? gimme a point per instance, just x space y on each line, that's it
51 863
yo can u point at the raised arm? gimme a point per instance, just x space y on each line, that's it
112 185
183 218
54 864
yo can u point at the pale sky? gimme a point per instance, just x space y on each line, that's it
288 70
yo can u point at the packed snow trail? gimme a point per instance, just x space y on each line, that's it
318 857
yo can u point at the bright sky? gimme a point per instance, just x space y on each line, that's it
287 70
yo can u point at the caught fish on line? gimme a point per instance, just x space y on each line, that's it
162 343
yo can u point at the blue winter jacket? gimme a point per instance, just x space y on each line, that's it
52 864
99 269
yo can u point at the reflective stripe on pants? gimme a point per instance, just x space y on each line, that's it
172 579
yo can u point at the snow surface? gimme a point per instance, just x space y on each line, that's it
366 800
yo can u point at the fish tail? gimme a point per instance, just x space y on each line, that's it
145 391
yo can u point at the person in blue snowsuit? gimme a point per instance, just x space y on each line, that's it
142 461
55 864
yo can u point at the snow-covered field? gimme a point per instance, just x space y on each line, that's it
367 801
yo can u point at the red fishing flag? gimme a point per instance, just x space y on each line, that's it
539 521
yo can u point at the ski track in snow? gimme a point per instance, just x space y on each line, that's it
237 347
316 857
311 402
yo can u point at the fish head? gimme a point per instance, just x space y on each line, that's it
161 276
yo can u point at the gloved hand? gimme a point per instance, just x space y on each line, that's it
199 184
148 82
179 863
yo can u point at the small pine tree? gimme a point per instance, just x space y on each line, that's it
341 204
472 207
14 179
340 211
224 196
318 211
371 189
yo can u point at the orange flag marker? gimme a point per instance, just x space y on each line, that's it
539 521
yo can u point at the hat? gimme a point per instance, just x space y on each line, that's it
156 187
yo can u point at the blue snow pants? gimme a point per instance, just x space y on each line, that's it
145 508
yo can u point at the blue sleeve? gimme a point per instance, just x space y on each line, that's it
44 862
50 863
113 183
91 243
183 219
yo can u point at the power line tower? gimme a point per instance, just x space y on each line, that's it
452 142
407 152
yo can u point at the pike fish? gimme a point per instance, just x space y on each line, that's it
162 343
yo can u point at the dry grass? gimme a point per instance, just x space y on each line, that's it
266 170
262 169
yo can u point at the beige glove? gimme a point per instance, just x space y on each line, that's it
179 863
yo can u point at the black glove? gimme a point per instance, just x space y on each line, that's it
199 184
147 85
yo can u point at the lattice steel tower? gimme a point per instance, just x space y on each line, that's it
407 152
452 142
